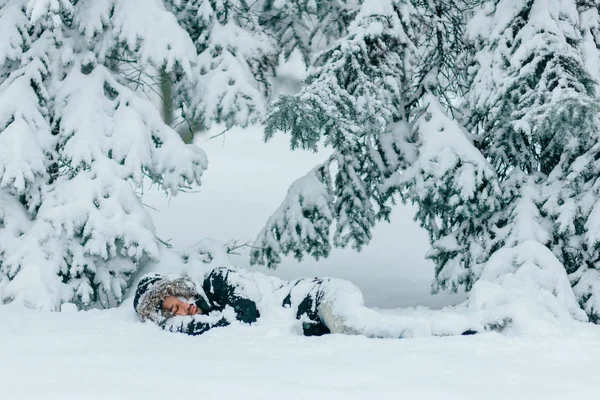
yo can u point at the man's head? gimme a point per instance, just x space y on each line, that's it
152 292
179 306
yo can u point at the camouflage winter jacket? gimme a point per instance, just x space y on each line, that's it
219 303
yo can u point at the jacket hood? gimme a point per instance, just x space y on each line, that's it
153 289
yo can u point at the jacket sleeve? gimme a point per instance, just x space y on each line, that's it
225 287
308 295
195 325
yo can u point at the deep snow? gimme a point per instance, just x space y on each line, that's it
110 355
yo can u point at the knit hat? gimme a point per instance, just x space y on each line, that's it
153 289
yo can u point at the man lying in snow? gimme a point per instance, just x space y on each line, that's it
322 305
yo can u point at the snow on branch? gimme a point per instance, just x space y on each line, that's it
301 223
235 58
456 191
76 139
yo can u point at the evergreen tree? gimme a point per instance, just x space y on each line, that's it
490 134
355 101
359 100
534 113
76 139
456 191
451 183
307 26
575 187
235 58
443 51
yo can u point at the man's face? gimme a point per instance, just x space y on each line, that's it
178 306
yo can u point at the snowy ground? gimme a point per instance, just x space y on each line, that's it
110 355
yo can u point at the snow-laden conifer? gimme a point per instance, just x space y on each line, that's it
235 59
500 157
571 200
574 188
443 52
301 225
531 84
307 26
456 191
359 101
354 101
76 139
533 109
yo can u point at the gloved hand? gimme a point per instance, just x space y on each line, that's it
203 305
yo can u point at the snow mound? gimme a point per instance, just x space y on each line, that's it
525 288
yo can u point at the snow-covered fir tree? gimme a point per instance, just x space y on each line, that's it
235 58
576 186
354 101
534 110
452 184
358 99
307 26
456 191
76 139
484 114
499 157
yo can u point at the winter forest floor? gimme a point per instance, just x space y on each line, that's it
110 355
